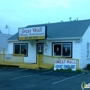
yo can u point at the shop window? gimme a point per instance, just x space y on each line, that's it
17 49
21 48
66 51
62 49
57 49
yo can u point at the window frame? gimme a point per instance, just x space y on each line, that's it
20 48
58 43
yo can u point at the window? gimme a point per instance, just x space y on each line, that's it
40 47
17 49
66 50
88 50
57 49
21 48
62 49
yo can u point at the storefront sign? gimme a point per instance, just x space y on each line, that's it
32 33
65 64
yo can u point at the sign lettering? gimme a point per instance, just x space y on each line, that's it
65 64
32 33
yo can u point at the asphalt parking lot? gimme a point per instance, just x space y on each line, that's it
28 79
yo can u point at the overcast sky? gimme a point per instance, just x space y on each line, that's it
20 13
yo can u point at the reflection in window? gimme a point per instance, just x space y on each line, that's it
62 49
21 49
17 49
57 49
66 50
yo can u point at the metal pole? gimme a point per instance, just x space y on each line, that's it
7 27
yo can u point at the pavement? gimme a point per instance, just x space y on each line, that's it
28 79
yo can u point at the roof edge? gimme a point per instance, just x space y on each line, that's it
68 38
12 40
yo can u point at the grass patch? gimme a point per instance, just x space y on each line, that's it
69 70
66 70
7 66
2 66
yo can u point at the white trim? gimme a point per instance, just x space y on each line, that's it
66 38
61 43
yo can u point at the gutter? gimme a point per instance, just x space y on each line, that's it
68 38
11 40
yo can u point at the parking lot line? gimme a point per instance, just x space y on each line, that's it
67 78
13 71
30 75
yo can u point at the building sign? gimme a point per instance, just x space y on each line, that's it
65 64
32 33
85 86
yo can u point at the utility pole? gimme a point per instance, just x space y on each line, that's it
7 27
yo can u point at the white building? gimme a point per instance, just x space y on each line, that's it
64 39
3 41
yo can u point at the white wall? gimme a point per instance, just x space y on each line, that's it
86 39
48 48
76 49
31 51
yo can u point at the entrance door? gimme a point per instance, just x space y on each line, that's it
40 48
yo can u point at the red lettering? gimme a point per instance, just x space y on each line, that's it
37 30
67 61
57 61
26 31
70 61
34 30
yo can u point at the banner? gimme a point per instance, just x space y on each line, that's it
32 33
65 64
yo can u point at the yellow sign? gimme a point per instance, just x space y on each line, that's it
32 38
32 33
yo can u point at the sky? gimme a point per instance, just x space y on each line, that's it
20 13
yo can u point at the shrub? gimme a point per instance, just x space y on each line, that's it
65 70
79 71
87 67
52 68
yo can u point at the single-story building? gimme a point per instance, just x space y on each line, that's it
62 39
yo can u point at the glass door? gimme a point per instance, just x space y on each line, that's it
40 48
